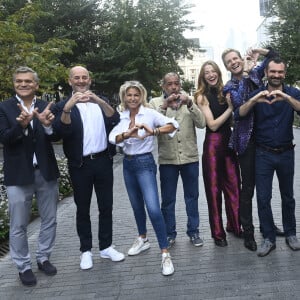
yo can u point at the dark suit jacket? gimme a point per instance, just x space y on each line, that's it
72 134
18 148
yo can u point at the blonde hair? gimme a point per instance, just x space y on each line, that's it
132 84
229 50
203 87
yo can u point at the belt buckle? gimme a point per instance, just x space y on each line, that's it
93 156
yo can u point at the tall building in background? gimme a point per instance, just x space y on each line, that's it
191 67
262 30
264 7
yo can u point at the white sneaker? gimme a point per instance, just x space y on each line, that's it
112 254
86 261
167 265
138 246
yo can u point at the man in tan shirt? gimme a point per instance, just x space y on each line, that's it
179 156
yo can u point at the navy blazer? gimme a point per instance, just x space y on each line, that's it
72 134
18 148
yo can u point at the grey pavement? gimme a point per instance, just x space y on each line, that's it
207 272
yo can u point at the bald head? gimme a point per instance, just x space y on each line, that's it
79 79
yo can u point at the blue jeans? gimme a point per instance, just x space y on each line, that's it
168 181
140 180
266 164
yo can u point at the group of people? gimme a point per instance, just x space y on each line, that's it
233 161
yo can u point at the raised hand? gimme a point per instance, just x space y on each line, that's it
253 53
277 95
249 63
263 97
24 117
46 117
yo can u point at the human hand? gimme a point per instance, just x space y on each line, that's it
46 117
277 95
24 117
139 131
228 100
263 97
173 101
249 63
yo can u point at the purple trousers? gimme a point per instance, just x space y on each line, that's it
221 177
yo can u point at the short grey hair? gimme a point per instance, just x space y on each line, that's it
25 69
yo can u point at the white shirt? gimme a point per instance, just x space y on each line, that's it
48 130
94 133
148 116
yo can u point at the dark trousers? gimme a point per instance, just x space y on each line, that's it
98 174
266 165
247 167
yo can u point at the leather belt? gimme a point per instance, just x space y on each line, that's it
129 156
35 166
277 150
95 155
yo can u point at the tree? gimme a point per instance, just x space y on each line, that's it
19 48
145 40
116 40
284 33
188 86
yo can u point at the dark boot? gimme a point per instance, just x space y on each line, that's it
249 241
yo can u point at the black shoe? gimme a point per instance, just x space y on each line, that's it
279 232
250 243
47 268
27 278
221 243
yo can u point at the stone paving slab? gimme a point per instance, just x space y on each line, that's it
207 272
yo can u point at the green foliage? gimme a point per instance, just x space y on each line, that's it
284 32
188 86
18 48
116 40
144 40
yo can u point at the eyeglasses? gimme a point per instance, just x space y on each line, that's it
26 81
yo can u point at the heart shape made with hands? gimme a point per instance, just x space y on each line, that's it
83 98
140 131
272 97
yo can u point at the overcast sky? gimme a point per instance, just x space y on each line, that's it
227 24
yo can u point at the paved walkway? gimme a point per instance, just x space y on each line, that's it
208 272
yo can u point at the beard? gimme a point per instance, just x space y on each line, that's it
275 82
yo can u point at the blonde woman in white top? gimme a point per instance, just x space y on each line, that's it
135 134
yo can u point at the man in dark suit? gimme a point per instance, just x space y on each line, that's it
84 122
30 169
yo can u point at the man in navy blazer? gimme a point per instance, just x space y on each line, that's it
84 122
30 169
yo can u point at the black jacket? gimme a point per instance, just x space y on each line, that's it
18 148
72 134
